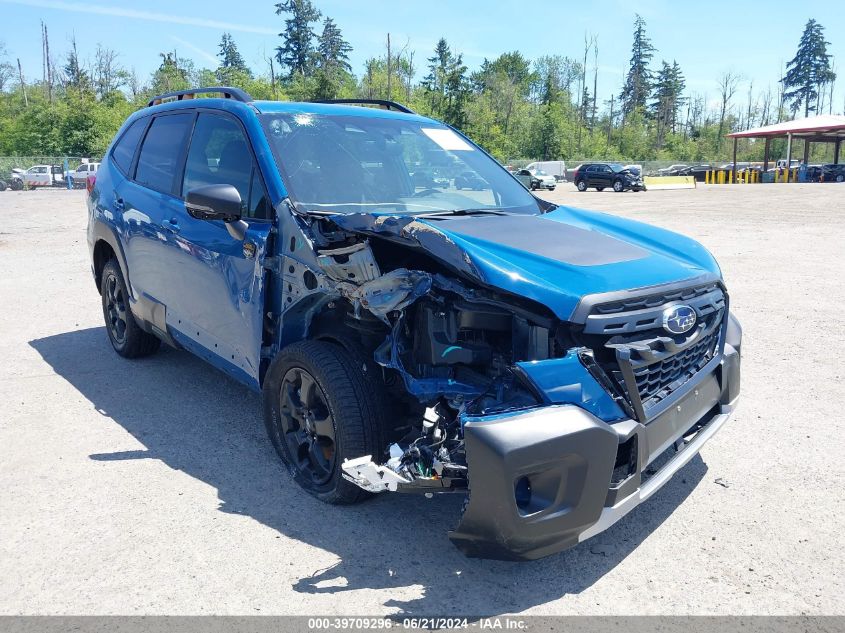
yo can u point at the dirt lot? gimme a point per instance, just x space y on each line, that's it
149 486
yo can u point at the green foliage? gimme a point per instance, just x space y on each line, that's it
809 71
637 88
514 107
446 87
297 51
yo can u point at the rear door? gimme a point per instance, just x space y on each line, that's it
220 308
149 203
604 176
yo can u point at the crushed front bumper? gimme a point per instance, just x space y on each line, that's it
544 480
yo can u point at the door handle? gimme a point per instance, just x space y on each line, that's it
118 204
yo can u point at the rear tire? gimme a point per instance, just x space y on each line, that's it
581 185
321 408
599 188
126 336
840 178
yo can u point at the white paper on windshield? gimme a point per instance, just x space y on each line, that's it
447 139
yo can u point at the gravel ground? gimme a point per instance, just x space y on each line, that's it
148 487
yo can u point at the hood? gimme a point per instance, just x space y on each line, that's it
554 259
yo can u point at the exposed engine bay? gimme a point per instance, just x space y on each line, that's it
446 346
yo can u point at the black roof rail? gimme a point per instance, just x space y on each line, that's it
228 93
389 105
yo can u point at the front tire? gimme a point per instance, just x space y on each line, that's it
581 185
618 187
599 188
321 408
126 336
840 178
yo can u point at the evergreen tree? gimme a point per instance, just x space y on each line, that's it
76 76
233 69
637 88
669 86
445 86
332 49
809 71
230 56
297 53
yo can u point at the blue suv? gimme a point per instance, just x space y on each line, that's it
557 366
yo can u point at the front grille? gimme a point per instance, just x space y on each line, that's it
658 380
646 364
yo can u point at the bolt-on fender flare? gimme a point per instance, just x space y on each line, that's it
102 232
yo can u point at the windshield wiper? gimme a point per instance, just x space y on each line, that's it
454 212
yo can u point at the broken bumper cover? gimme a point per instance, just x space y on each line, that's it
544 480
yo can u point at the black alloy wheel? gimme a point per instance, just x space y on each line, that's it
307 425
115 308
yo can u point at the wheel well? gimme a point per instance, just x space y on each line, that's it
103 252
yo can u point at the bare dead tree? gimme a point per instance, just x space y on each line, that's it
749 111
595 76
728 83
108 75
389 69
23 84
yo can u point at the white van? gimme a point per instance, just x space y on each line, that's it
556 168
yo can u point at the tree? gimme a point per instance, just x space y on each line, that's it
333 69
7 71
333 51
174 73
809 71
728 83
108 75
233 70
637 86
553 78
446 86
297 52
230 56
76 77
669 86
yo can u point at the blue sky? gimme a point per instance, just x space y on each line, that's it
753 39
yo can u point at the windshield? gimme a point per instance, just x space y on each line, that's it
361 164
540 172
616 167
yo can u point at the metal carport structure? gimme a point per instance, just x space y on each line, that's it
825 128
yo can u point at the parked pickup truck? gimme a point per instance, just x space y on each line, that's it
44 176
554 365
82 172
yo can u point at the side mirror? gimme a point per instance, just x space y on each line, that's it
214 202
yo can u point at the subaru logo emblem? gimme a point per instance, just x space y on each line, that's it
678 319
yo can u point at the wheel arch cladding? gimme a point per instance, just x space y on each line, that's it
103 252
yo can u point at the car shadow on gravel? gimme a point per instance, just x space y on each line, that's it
196 420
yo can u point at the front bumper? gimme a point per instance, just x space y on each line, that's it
544 480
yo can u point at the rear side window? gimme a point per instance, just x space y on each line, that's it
124 150
162 150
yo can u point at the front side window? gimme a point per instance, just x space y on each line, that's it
354 164
161 151
220 155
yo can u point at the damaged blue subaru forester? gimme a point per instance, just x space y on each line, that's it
556 366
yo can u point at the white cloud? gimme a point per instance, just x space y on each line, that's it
196 49
78 7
